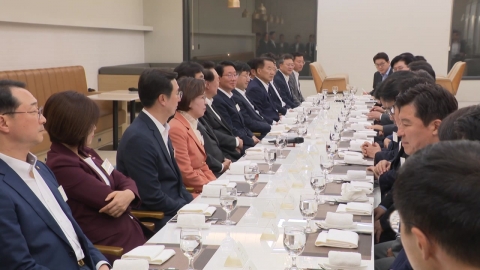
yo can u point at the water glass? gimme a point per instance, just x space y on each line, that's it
301 118
270 156
190 244
302 130
250 173
228 202
326 164
324 93
326 106
308 209
335 91
281 143
294 241
331 147
338 127
318 184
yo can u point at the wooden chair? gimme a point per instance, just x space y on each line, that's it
322 81
110 250
451 82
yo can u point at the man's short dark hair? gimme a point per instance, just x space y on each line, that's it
8 103
208 75
422 65
463 124
219 68
153 83
419 58
430 101
262 60
242 67
284 57
270 55
437 191
381 55
188 69
389 89
297 54
405 57
208 64
253 63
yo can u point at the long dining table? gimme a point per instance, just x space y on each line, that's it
258 234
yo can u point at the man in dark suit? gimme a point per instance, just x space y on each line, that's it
38 230
282 46
294 81
282 78
271 45
145 153
297 46
252 118
230 145
226 106
263 45
311 48
382 64
258 88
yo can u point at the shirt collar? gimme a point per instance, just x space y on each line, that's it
264 84
22 168
287 77
242 92
296 74
162 128
229 95
193 122
388 71
209 101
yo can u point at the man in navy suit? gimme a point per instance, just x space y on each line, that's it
145 153
226 106
252 118
38 231
258 89
282 78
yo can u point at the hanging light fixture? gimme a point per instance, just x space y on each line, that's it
262 10
233 3
245 12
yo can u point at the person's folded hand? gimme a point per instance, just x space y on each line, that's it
119 202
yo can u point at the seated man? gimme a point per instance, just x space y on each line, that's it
439 227
145 152
226 106
463 124
294 81
382 64
274 93
252 118
37 227
258 90
189 69
281 81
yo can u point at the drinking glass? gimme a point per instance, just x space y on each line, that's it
335 91
294 240
302 130
228 202
251 173
318 184
281 143
332 147
301 118
326 164
338 127
326 106
324 93
190 244
270 156
308 208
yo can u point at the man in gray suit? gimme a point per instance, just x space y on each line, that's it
294 81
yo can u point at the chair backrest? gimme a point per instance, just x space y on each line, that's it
318 74
455 75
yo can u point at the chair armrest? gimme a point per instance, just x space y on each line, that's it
257 134
190 189
149 225
147 214
110 250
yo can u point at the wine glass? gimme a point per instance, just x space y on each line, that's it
326 106
326 164
338 127
294 240
281 143
335 91
308 208
301 118
318 183
324 93
190 244
228 202
251 173
270 156
301 130
332 147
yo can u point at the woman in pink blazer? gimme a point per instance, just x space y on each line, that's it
186 139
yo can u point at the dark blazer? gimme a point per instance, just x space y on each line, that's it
215 156
301 48
284 90
30 238
253 121
227 141
292 82
262 47
310 49
276 101
227 109
86 192
377 79
142 155
272 47
259 97
283 48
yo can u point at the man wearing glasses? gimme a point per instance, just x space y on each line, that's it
382 64
38 229
145 153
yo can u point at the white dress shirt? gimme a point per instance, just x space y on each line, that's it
94 166
287 78
297 75
278 95
163 129
229 95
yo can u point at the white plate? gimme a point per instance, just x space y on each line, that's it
363 265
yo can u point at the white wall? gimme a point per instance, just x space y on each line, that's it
350 33
32 45
165 43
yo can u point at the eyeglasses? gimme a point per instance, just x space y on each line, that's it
389 111
180 94
380 65
38 111
231 76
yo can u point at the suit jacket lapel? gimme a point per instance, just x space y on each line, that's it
217 119
190 131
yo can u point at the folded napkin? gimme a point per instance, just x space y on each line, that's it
351 194
255 153
275 133
222 182
295 110
289 120
348 159
355 208
357 113
281 127
238 167
350 153
153 254
197 208
365 186
356 175
360 135
338 220
337 238
192 221
349 259
356 145
360 107
311 98
307 104
369 132
358 126
357 119
137 264
212 191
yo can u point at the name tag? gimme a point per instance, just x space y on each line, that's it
395 137
62 192
107 166
402 160
238 107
